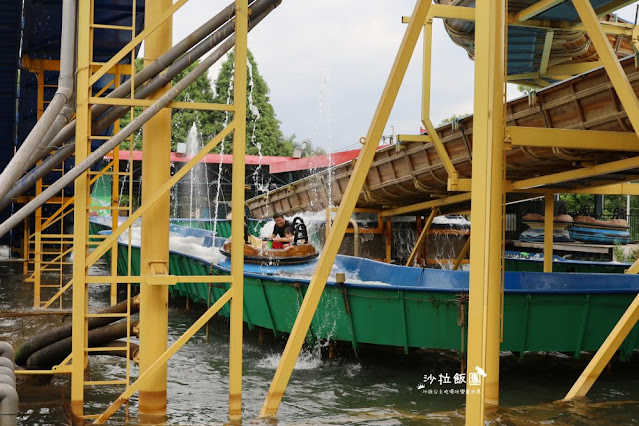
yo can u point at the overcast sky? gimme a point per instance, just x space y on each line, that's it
326 63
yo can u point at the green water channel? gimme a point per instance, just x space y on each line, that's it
376 385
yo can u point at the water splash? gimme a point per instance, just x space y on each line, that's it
261 186
197 178
229 96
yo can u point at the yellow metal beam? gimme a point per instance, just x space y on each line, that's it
172 105
36 64
485 279
414 138
426 71
462 185
604 188
572 139
423 235
237 224
453 199
171 279
79 338
450 12
154 247
545 54
536 9
160 362
598 170
611 28
462 254
608 57
354 187
549 208
441 150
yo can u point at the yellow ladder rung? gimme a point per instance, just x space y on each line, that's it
113 315
49 286
105 349
106 382
111 27
91 416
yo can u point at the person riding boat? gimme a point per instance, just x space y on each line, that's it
279 236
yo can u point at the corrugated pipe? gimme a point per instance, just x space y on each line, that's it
265 6
39 341
21 160
55 353
145 74
8 393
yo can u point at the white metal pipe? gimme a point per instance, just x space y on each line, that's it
6 371
6 362
8 402
6 350
20 161
7 380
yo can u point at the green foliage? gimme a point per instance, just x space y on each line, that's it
268 136
451 119
612 203
308 150
525 89
618 253
574 202
182 120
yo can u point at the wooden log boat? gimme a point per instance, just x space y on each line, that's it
297 253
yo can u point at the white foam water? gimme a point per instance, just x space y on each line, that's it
307 360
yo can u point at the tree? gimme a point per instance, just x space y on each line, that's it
267 137
308 150
181 119
451 119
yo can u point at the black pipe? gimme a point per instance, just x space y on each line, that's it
39 341
54 354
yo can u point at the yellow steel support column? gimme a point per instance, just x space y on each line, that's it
83 130
487 189
154 250
420 239
354 187
549 207
237 207
608 57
